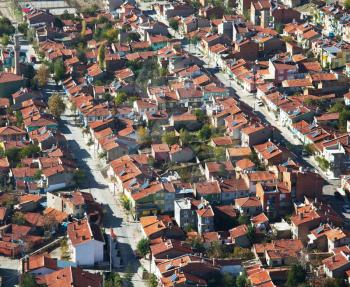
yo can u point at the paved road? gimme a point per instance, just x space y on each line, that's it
249 99
128 232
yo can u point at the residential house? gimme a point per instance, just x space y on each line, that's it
86 242
248 206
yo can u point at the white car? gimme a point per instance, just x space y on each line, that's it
259 103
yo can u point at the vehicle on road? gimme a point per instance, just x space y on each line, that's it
259 103
346 208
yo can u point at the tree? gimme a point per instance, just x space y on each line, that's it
23 28
13 155
333 282
59 70
5 40
128 275
37 174
114 280
101 56
220 153
65 254
347 4
132 37
152 281
216 250
6 28
227 280
241 280
79 177
56 105
18 218
42 75
296 276
143 136
169 138
28 280
251 233
83 28
142 247
120 98
242 219
29 72
205 132
243 253
111 35
173 23
201 115
29 151
185 137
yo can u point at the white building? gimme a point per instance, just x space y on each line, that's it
86 242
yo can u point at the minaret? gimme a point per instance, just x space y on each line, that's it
17 49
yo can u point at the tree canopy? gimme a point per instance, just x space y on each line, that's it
143 247
56 105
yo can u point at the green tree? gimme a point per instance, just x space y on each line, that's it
28 280
114 280
59 70
29 151
337 107
201 115
18 218
217 250
205 132
344 116
296 276
19 118
79 177
169 138
120 98
23 28
132 37
13 155
185 137
347 4
128 275
56 105
6 28
242 219
142 247
29 72
58 23
152 281
251 234
111 35
323 163
173 23
242 280
38 174
243 253
220 153
228 280
101 53
5 40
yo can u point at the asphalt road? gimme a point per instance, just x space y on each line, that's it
128 232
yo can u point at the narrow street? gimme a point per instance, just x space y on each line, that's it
261 112
128 232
